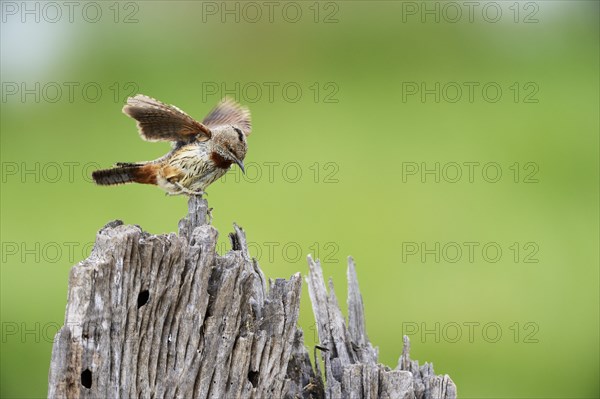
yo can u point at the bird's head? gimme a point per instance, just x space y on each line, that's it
230 144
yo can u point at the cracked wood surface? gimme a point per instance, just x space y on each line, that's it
165 316
351 367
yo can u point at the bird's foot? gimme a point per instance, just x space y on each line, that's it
199 192
171 194
184 190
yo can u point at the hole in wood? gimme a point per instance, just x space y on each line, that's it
143 298
253 378
86 378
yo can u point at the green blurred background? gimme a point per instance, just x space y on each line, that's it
353 133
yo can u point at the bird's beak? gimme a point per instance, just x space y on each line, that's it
240 164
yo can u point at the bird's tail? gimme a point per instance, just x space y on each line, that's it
126 173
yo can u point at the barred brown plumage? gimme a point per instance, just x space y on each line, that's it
125 174
202 152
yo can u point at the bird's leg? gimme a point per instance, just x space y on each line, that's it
187 190
174 182
209 214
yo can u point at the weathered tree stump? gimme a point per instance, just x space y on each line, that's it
165 316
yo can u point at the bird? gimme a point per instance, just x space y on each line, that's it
201 152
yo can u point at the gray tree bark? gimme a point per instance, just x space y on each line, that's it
163 316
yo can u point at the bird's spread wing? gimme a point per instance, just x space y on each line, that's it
229 112
161 122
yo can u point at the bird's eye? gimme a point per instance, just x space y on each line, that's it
240 133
